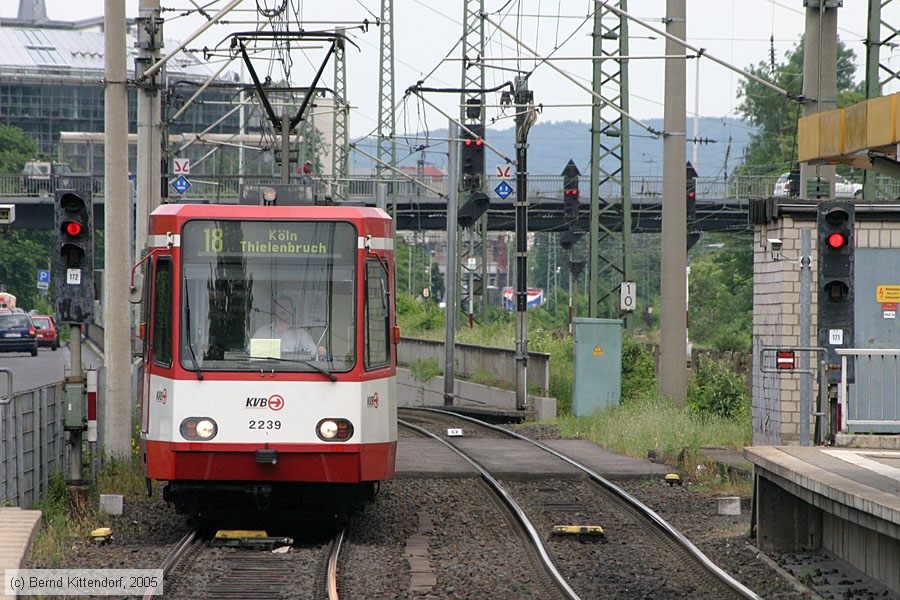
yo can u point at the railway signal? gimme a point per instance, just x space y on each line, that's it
474 207
691 192
75 256
472 162
571 201
835 221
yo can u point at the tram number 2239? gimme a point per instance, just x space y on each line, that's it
262 424
213 240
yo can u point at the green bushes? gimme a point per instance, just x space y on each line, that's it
716 390
638 369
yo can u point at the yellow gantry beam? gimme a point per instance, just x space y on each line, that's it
847 135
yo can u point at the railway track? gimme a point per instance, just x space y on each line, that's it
250 574
638 529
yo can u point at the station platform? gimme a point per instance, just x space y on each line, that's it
516 460
19 528
843 500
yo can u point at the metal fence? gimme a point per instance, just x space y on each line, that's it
359 187
869 394
32 442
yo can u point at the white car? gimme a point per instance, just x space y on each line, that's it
843 187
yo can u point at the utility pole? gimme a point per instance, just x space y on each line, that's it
340 138
673 312
452 261
610 156
876 31
286 148
116 308
525 118
387 144
149 113
471 112
819 82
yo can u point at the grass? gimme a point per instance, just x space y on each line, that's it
637 426
65 525
652 423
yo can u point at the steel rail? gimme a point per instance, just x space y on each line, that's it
678 537
520 515
171 560
331 575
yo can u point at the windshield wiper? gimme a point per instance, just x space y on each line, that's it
187 325
308 363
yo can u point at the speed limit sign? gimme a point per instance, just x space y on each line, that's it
628 296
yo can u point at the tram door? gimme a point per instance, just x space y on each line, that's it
157 328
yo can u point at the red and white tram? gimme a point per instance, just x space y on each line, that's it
269 355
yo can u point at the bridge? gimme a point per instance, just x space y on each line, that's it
721 204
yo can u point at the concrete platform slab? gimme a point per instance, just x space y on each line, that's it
18 529
516 459
844 500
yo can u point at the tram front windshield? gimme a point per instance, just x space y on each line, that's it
268 295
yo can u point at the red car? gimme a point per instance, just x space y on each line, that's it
47 333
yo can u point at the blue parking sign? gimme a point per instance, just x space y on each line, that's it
43 276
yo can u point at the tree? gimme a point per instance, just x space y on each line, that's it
24 253
721 292
16 149
772 148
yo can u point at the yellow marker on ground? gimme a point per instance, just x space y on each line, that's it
237 534
672 479
591 533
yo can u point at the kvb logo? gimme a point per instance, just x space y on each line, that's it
274 402
372 401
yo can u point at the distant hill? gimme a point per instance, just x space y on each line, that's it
552 144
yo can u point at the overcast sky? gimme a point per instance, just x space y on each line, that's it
425 31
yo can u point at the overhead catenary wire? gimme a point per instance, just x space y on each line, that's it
699 51
571 78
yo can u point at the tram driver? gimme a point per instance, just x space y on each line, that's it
294 340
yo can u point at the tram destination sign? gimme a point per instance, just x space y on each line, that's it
205 239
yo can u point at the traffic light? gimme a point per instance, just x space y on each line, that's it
472 158
691 192
74 272
474 207
571 200
836 257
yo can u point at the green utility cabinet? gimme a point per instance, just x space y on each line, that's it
598 364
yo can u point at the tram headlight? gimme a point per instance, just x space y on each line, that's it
328 429
334 430
206 428
198 428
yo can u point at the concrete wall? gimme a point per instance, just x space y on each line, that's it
469 361
411 392
776 316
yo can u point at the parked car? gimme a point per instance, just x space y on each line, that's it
843 187
42 177
47 332
17 333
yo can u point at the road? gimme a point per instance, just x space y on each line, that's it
46 368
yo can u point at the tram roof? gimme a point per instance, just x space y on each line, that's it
372 221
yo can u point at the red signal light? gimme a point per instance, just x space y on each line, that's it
73 228
837 240
468 142
479 142
692 195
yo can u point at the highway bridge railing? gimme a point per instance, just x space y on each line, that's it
32 443
363 187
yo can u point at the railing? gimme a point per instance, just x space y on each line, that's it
869 395
359 187
32 442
